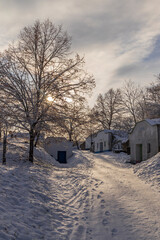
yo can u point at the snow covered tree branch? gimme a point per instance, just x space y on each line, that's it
37 66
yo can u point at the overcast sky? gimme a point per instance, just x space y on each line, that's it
120 39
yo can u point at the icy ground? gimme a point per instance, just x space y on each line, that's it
94 196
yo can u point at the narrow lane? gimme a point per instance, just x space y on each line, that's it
94 197
127 207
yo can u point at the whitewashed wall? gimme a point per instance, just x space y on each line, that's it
52 147
144 134
105 138
88 143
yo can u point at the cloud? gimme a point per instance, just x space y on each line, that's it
120 39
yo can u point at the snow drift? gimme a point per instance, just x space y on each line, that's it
149 170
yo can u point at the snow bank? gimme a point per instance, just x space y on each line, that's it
149 170
40 200
17 153
93 196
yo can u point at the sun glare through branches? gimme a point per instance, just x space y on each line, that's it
50 99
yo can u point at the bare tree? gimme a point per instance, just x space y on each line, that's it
39 65
134 102
5 132
124 123
153 99
107 108
6 124
72 118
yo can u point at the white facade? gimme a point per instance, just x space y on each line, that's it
144 140
88 143
100 141
54 145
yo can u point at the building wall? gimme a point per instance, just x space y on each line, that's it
88 143
104 139
143 141
53 147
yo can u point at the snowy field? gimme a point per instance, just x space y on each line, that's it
94 196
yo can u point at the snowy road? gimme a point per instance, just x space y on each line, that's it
126 207
95 196
105 200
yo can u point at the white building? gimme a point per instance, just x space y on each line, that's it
106 140
100 141
59 148
145 140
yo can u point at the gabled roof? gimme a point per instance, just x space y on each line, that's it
93 135
152 122
118 134
155 121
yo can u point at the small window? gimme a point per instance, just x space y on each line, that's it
97 145
104 144
148 147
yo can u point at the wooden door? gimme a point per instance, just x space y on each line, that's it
62 157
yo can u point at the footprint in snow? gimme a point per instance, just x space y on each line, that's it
96 186
80 229
73 214
99 196
105 222
140 212
89 231
79 232
114 232
102 201
107 213
86 194
102 206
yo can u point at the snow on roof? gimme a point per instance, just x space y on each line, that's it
155 121
119 135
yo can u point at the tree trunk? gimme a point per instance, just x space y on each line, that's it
0 133
4 149
31 146
77 145
70 137
37 138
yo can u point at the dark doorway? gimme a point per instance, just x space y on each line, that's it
62 157
101 146
139 153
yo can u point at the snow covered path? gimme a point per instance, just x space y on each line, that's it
127 207
94 196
